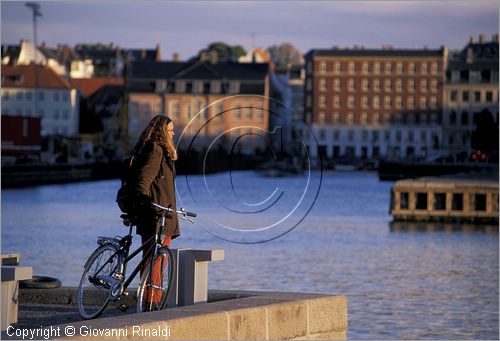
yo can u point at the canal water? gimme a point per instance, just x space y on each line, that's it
319 233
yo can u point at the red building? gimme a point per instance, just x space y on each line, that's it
20 137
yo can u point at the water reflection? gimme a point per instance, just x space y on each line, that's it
405 226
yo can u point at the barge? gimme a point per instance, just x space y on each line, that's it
462 198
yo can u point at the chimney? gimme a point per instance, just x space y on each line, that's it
482 39
158 54
494 38
175 57
203 56
213 57
469 58
472 40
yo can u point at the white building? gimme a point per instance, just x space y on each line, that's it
37 91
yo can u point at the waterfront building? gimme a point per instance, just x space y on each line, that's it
20 139
63 59
471 90
205 98
373 103
37 91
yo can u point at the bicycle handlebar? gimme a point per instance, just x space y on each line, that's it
182 212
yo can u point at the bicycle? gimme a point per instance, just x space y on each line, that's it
104 276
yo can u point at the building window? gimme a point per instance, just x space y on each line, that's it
41 95
351 102
56 114
465 96
457 202
308 100
247 113
423 103
376 84
434 86
376 102
399 102
410 102
399 68
388 68
366 85
336 84
322 84
477 96
352 85
489 96
387 102
351 67
322 101
364 102
434 68
421 202
198 87
350 118
411 68
234 87
322 67
366 68
65 115
337 67
19 95
175 109
423 85
322 118
439 201
404 200
364 118
336 118
387 119
180 86
411 85
215 86
480 202
236 112
336 101
423 68
28 96
434 103
399 85
376 118
56 96
376 68
453 95
388 85
259 113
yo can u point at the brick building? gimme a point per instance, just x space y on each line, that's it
205 99
471 87
371 103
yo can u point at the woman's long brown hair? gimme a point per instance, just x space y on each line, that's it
156 132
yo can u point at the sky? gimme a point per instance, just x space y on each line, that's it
188 26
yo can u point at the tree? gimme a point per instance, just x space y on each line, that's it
225 52
285 54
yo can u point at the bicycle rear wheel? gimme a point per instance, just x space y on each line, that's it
156 282
93 291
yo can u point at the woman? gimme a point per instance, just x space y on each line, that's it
154 161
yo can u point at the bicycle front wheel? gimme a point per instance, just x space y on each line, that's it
156 282
93 291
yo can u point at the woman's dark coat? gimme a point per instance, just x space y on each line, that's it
155 179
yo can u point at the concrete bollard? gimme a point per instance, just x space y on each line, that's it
12 273
191 281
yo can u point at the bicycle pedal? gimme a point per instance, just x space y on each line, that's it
123 307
